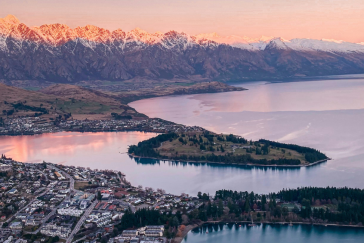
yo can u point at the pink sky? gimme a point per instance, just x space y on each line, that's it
329 19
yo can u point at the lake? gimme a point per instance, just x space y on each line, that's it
324 114
274 233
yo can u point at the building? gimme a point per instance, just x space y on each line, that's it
70 212
55 230
59 176
16 226
105 196
155 227
5 167
153 233
13 191
32 222
119 239
130 233
83 204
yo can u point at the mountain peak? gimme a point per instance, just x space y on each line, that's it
11 19
277 43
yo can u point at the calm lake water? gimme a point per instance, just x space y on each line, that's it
328 115
325 114
274 233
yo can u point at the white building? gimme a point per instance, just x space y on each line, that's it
70 212
5 167
54 230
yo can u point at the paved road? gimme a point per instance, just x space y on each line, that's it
120 179
47 217
80 239
11 218
72 181
80 222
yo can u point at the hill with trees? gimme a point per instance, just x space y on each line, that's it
227 149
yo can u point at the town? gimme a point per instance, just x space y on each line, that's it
38 125
47 202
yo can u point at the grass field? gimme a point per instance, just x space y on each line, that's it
80 185
82 107
222 146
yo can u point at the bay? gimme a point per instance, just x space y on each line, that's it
274 233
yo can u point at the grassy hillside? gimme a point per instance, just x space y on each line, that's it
61 99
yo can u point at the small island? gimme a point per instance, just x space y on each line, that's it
226 149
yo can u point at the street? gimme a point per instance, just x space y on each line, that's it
80 222
43 193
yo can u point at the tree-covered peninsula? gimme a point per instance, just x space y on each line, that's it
305 205
227 149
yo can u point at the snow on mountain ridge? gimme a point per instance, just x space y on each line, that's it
324 45
59 34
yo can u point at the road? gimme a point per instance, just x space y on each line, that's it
11 218
72 181
81 221
47 217
120 178
80 239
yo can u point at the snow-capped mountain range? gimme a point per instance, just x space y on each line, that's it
57 52
59 34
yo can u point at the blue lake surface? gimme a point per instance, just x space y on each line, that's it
263 233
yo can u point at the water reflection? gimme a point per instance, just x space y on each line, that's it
107 151
262 97
262 233
338 133
55 147
148 161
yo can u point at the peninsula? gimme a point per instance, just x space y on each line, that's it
206 146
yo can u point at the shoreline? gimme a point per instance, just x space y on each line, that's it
95 131
189 228
250 165
228 88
